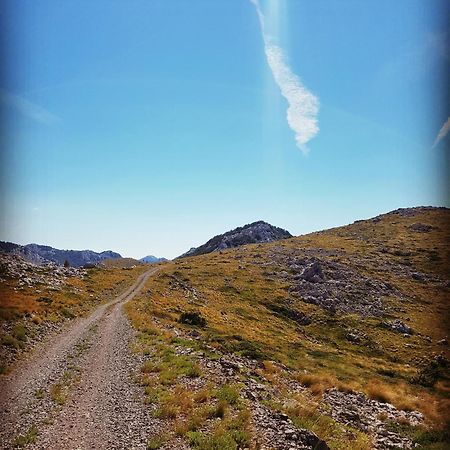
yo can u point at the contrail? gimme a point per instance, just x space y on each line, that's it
442 132
31 110
303 106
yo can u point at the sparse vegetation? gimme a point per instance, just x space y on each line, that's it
244 296
223 332
39 394
228 394
156 442
192 318
24 309
26 439
58 394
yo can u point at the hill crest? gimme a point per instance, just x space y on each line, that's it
252 233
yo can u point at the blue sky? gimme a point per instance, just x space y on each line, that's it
147 127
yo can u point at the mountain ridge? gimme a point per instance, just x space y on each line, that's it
44 254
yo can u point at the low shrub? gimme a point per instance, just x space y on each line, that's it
20 332
432 372
228 393
192 318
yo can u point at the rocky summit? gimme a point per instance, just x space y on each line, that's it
253 233
43 254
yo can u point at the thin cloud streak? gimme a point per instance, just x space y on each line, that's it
28 109
303 106
442 132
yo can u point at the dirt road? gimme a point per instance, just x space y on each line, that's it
75 391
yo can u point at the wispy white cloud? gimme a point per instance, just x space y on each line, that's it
442 132
303 106
28 109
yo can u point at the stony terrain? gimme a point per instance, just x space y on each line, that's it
333 340
37 300
75 390
263 390
27 276
256 232
32 275
341 333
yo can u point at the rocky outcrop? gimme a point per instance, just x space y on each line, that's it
29 275
370 416
421 227
397 326
43 254
276 430
254 233
337 287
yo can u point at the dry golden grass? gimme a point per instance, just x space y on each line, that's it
234 289
24 309
76 297
305 413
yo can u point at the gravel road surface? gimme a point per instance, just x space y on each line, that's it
76 391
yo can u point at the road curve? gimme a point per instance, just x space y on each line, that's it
104 408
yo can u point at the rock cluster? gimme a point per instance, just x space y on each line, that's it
28 274
420 227
360 412
355 336
337 287
397 326
189 291
276 430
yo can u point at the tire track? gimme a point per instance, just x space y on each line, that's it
19 407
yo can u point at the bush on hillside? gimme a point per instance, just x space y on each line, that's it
192 318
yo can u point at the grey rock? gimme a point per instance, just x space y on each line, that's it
420 228
43 254
398 326
256 232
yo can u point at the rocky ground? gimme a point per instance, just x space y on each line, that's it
25 277
27 274
263 347
269 399
83 389
75 390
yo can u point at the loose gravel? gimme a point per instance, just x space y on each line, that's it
104 407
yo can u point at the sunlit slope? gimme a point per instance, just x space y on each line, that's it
34 300
364 305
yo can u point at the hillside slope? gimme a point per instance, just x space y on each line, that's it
358 308
36 300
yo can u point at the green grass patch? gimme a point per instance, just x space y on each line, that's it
26 439
57 394
228 393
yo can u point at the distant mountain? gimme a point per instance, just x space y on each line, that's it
42 254
253 233
150 259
